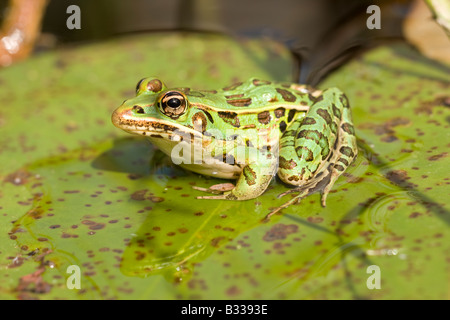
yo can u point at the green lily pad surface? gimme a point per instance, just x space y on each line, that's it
79 194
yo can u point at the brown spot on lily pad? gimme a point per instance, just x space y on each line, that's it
415 214
280 231
427 107
387 128
233 291
139 195
216 241
315 219
97 226
400 177
18 178
155 199
438 156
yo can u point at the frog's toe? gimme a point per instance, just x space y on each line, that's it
323 200
217 188
218 197
326 190
225 196
294 200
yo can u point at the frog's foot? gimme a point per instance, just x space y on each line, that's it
334 175
321 182
217 188
221 189
224 196
302 190
294 200
325 184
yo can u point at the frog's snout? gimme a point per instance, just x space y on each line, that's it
120 115
115 118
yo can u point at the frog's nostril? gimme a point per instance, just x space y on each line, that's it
138 109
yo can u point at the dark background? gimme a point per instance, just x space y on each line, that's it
320 33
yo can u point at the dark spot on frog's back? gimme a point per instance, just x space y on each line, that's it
285 164
336 111
279 112
244 102
308 121
334 128
318 99
325 115
264 117
347 127
209 91
291 115
343 99
283 126
230 118
347 151
313 135
249 175
287 96
344 161
240 95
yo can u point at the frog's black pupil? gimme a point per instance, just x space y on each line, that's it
174 103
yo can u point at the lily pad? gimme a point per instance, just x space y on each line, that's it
58 145
77 191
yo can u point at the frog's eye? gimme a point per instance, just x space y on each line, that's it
149 85
173 104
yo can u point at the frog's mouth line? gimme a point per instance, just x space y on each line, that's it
151 127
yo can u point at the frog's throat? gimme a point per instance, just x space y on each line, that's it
149 126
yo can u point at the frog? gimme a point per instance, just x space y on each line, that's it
250 132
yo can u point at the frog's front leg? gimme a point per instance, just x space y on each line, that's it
253 180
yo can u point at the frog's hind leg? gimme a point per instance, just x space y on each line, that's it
342 155
318 148
345 149
302 192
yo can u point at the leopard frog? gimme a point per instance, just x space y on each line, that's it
248 131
